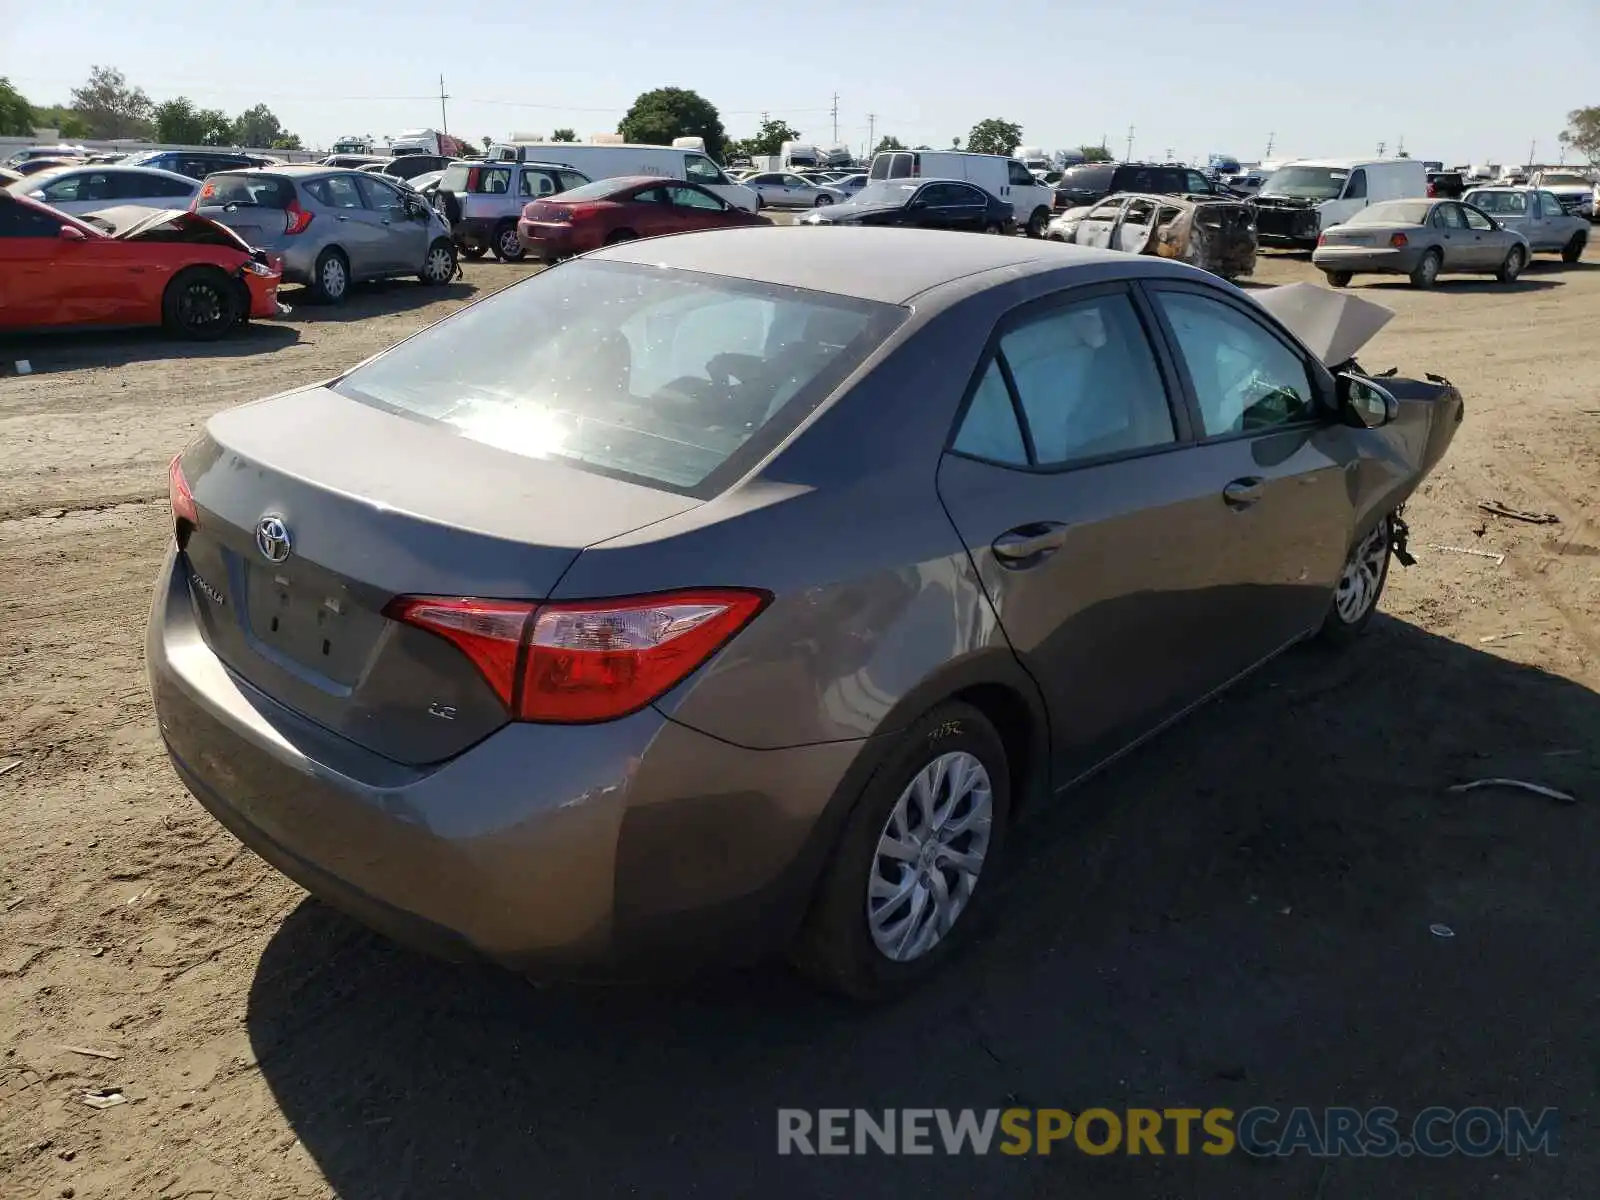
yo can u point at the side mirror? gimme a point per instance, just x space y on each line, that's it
71 233
1363 404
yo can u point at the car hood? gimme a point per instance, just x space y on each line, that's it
130 222
1567 189
846 209
1333 325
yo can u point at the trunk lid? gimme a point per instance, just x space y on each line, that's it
302 543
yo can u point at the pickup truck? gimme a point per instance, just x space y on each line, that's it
1538 215
1574 190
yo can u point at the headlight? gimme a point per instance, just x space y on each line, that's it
256 268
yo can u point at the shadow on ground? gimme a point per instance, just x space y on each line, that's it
73 350
380 298
1239 915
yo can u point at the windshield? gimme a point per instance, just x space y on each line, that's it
246 190
884 191
1306 183
1500 204
1088 178
1396 212
1560 179
660 376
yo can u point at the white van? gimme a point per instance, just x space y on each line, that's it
1006 178
1302 198
609 162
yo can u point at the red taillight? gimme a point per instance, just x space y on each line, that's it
181 498
580 212
473 175
297 217
1432 191
1322 239
597 660
1398 241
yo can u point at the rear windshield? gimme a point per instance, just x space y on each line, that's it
247 189
1089 178
602 190
671 378
1395 212
1501 204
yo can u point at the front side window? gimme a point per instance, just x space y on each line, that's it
1198 182
795 181
698 169
661 376
1019 175
570 180
990 430
82 186
1356 187
1245 379
379 197
688 197
1087 382
1550 203
1475 219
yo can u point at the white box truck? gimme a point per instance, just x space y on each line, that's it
1006 178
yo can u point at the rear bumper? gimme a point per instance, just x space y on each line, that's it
543 239
1367 260
628 847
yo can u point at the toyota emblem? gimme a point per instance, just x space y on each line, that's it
272 538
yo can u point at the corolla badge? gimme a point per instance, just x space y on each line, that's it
272 538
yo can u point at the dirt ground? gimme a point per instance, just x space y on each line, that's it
1239 915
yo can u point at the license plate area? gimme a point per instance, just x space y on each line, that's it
308 617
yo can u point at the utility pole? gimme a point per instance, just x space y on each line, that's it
1129 156
1270 138
1532 146
1400 147
1381 147
444 118
1168 157
872 142
836 118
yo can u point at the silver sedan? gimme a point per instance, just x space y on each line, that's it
781 189
1422 239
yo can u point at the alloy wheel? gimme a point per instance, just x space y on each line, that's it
440 265
202 307
1363 571
929 856
334 278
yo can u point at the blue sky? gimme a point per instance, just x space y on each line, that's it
1461 80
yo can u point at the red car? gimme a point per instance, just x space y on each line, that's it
619 210
193 276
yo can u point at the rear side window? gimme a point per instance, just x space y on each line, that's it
538 183
670 378
20 221
151 185
336 191
571 179
247 190
990 430
1088 382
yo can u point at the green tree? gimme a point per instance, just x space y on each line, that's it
177 120
1583 133
289 141
994 136
16 114
663 114
216 127
769 139
69 122
258 126
1095 154
564 135
110 108
955 143
886 142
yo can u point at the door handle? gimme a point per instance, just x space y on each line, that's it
344 218
1029 544
1242 493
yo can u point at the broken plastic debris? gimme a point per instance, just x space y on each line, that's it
1536 788
1517 514
24 367
92 1053
1498 637
104 1097
1441 931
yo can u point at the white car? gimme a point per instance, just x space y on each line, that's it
80 190
783 189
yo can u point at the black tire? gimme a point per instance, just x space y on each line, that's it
201 304
622 235
1345 622
1516 259
439 267
994 227
508 246
1339 279
1427 272
836 947
1573 250
823 201
330 278
448 206
1038 222
474 251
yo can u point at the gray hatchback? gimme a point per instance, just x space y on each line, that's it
733 591
331 226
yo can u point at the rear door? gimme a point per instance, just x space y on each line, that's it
1279 469
1138 226
1099 224
403 240
1071 484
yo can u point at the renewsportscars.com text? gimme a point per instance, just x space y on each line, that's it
1261 1132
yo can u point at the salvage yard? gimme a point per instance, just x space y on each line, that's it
1279 903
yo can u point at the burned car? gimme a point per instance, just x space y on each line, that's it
1209 232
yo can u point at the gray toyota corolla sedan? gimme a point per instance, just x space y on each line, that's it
734 592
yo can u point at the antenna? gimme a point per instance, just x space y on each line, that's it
444 118
836 118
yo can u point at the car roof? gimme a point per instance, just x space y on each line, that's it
1502 187
890 266
1348 163
101 168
